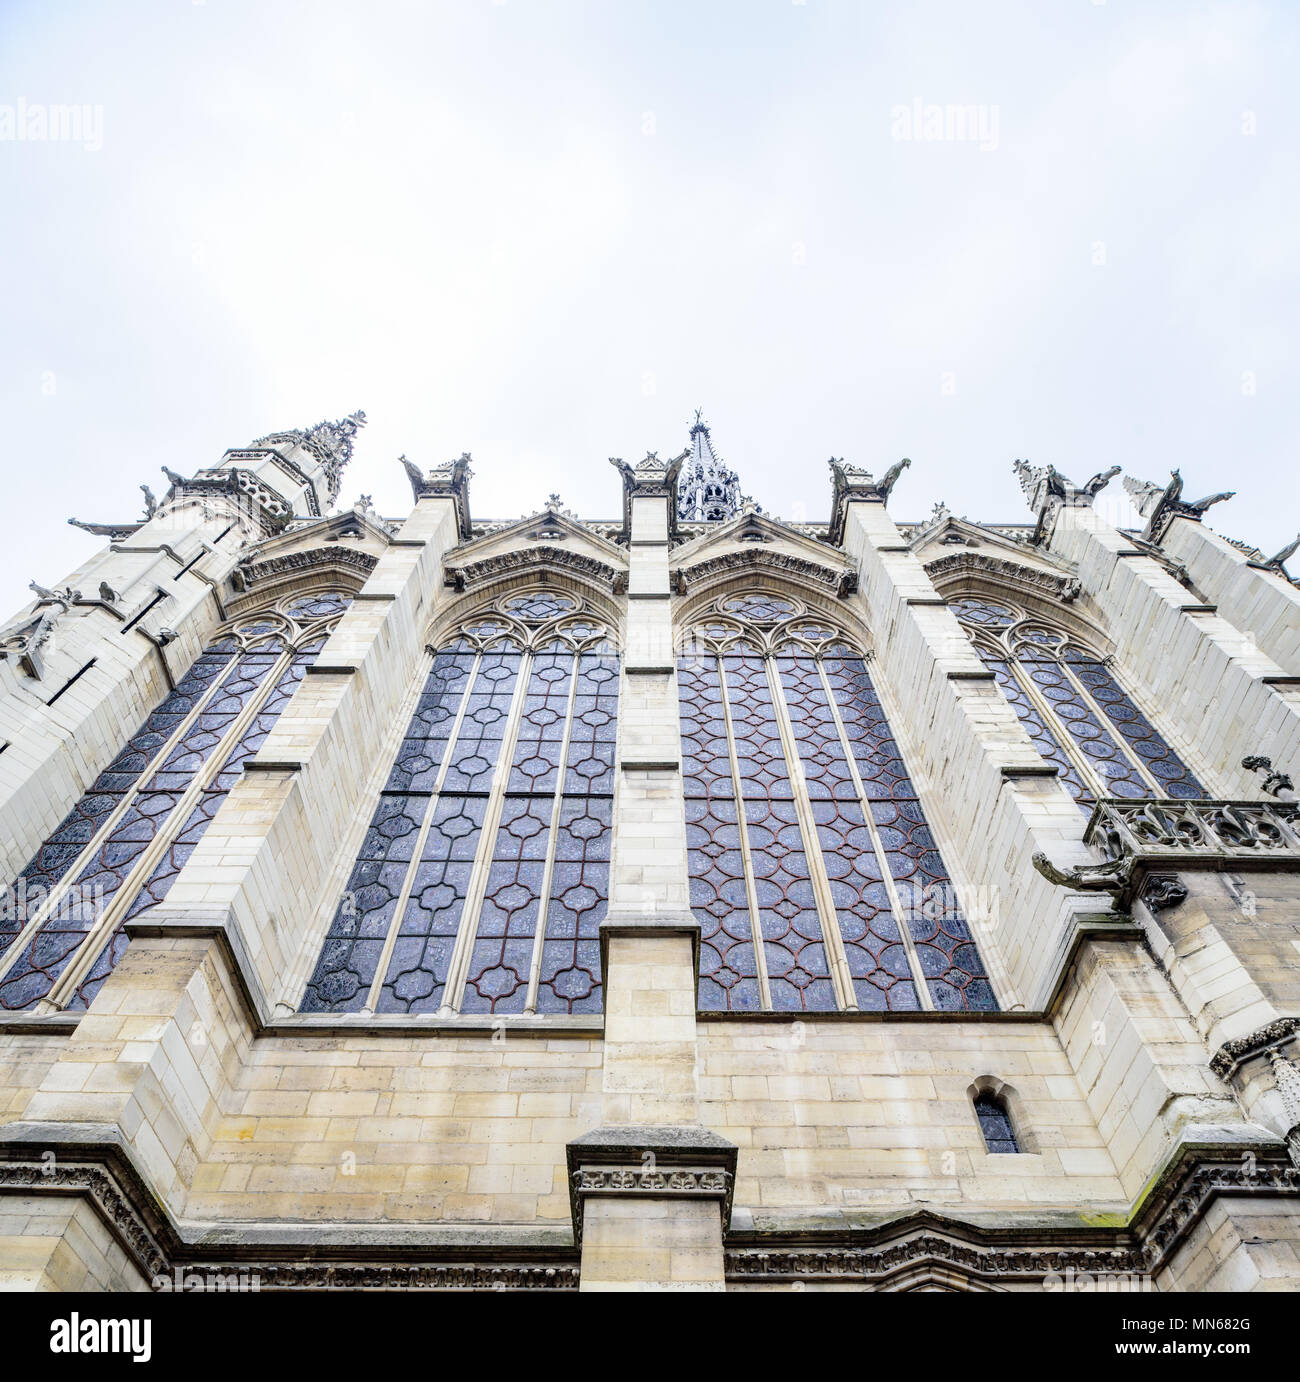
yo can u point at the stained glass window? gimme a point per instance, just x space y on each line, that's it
482 881
995 1124
1074 709
814 874
119 849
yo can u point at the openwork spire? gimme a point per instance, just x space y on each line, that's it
707 492
329 442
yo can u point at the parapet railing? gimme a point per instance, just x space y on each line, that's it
1139 839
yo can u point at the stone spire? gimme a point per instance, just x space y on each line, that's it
330 443
707 492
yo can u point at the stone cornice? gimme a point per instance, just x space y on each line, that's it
287 1257
1195 1179
689 1162
654 1162
532 559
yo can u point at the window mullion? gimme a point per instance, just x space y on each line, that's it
1080 761
458 965
882 858
62 991
747 863
841 976
60 890
421 835
1111 729
557 804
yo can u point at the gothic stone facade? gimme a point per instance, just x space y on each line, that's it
685 900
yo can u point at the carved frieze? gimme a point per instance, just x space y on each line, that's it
1029 579
251 573
534 560
836 581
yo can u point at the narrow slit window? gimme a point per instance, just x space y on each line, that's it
995 1124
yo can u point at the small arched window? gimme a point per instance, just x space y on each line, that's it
804 827
1077 714
995 1122
119 850
484 876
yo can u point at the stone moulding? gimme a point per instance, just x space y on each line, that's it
532 561
654 1162
875 1257
759 561
102 1175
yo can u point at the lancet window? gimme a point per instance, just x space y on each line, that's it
121 847
1074 709
484 876
814 874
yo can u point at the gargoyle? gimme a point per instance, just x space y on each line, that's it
1099 481
1109 877
1278 563
413 473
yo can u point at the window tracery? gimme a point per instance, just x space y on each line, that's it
482 881
804 829
1075 711
119 849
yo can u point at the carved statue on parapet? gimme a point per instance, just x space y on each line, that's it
150 503
650 478
1277 563
1046 489
25 638
850 483
1275 783
1161 506
450 479
175 480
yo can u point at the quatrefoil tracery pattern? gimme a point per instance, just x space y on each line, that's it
483 879
121 847
1074 710
804 829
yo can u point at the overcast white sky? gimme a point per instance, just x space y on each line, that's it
545 232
